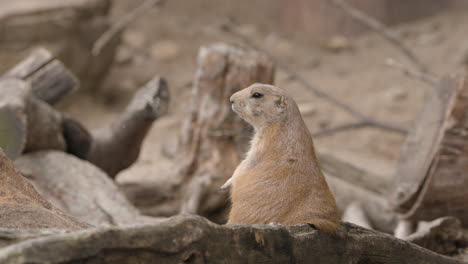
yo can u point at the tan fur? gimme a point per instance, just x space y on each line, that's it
279 180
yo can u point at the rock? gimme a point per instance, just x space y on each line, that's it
21 206
79 188
67 28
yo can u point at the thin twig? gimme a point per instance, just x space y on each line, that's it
332 130
380 28
356 125
121 24
369 121
425 77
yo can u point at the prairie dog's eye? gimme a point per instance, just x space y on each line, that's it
257 95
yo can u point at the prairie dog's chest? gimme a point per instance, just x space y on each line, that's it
247 164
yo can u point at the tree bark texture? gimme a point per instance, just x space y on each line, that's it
192 239
432 174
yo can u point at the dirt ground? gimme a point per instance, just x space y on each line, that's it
165 42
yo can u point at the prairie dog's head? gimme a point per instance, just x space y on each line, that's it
261 104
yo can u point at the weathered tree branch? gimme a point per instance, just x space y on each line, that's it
39 122
33 125
444 235
61 178
425 77
10 236
116 146
195 240
430 179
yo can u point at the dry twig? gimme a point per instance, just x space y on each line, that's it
121 24
380 28
425 77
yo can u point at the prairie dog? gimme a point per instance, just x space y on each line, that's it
279 180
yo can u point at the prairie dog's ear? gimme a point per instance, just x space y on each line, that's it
281 102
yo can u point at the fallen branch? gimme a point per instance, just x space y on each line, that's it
380 28
444 235
116 146
10 236
121 24
193 239
436 149
79 189
425 77
37 123
356 125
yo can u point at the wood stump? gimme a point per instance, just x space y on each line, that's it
27 123
50 80
212 137
37 124
432 174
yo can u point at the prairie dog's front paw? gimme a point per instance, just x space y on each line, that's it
226 186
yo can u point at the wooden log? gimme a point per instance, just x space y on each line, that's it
9 236
12 132
192 239
39 124
444 235
33 125
212 137
50 80
432 174
79 189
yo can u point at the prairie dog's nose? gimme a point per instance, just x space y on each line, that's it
231 99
